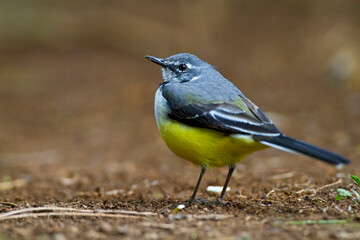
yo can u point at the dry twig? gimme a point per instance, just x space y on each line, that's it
276 190
64 214
330 185
62 211
314 191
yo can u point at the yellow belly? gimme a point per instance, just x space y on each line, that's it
207 147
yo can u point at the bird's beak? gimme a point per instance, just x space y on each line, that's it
156 60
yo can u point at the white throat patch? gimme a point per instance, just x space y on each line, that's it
167 74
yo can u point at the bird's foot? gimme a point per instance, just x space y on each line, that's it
202 201
220 202
189 202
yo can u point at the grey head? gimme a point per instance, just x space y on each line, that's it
188 77
182 67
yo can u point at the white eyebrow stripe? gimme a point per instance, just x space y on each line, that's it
191 66
195 78
188 65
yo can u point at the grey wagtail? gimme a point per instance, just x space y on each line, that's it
206 120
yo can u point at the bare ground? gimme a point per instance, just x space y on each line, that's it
78 132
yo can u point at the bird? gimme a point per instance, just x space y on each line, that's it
205 119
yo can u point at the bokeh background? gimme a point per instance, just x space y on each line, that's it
77 126
76 94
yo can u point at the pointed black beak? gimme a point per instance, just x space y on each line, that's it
156 60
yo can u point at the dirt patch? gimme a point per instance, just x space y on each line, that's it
78 131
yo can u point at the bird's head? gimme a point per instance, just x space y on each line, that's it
182 67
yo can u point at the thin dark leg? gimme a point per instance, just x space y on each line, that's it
193 197
231 171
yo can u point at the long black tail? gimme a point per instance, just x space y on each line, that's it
296 146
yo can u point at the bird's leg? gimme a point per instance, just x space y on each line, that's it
193 196
231 171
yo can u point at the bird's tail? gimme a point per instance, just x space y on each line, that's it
296 146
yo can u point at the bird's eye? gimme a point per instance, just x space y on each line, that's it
182 67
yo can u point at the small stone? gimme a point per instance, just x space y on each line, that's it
216 189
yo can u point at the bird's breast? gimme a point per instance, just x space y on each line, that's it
161 108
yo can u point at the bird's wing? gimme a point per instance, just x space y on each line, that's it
256 111
225 117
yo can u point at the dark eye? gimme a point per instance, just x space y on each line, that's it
182 67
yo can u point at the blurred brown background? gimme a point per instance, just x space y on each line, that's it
76 94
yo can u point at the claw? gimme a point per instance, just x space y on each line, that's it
220 202
202 201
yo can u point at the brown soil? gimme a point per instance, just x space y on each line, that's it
77 127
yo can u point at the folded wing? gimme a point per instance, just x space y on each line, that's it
225 117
